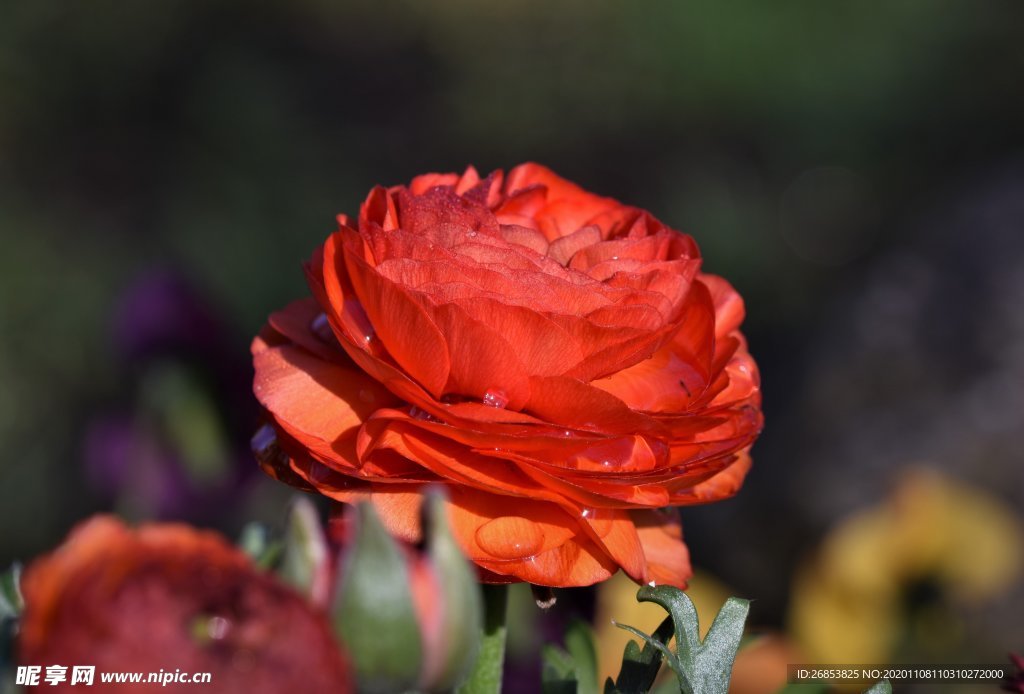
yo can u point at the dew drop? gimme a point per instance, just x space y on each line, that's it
600 520
354 311
510 537
495 397
471 234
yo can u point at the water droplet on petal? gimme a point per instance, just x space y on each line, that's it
601 520
495 397
471 234
510 537
566 433
652 584
354 311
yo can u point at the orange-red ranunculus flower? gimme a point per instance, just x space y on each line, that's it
555 358
169 597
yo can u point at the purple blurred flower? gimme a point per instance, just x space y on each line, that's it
162 314
170 449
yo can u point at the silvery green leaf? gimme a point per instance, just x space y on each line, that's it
640 666
703 666
880 687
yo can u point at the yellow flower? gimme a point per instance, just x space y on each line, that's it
848 604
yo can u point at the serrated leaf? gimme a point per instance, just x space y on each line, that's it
880 687
703 667
640 667
373 611
718 650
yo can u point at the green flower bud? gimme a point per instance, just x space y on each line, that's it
410 619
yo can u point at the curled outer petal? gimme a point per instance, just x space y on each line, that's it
555 358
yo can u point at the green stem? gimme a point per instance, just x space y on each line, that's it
485 677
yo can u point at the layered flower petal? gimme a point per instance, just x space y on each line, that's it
170 598
554 358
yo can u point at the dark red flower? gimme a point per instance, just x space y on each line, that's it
168 597
555 358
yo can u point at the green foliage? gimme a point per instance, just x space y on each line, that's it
11 601
264 552
574 668
640 666
702 666
183 409
485 677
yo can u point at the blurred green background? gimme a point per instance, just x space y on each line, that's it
855 169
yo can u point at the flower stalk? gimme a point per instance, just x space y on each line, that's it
485 677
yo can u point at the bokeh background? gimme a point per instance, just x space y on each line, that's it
855 169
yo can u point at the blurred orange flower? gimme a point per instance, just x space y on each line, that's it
169 597
553 357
